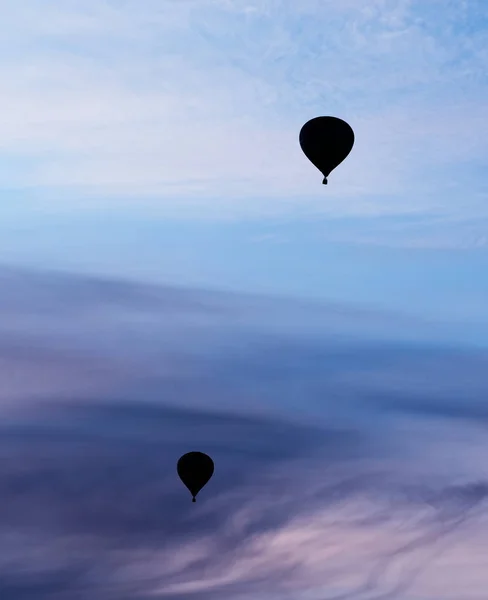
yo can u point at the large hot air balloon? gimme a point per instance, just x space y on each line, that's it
195 470
326 141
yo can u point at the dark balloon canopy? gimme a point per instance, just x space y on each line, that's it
195 470
326 142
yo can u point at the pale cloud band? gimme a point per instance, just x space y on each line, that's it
197 105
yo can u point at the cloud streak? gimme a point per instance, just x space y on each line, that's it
95 486
323 486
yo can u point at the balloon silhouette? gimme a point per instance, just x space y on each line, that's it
195 470
326 141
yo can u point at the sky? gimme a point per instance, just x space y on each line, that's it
175 276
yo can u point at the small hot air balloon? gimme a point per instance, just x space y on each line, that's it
326 141
195 470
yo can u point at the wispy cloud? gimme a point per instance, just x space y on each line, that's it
198 104
291 509
341 471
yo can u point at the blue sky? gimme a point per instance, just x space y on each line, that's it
308 258
172 125
175 276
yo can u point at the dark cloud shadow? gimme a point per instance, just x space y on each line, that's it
94 483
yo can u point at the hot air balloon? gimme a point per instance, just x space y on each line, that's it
195 470
326 141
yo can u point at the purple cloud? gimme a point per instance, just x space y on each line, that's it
337 472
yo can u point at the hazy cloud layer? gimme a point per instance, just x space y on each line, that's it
340 470
175 106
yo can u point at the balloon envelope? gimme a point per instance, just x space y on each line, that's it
195 470
326 141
